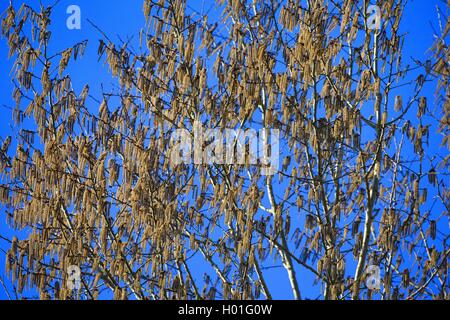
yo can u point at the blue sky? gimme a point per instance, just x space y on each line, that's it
122 20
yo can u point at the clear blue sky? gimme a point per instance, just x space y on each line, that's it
124 18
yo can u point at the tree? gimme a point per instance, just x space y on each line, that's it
360 187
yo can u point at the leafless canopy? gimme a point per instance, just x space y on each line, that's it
91 184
